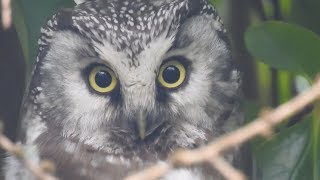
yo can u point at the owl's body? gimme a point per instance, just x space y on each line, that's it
120 85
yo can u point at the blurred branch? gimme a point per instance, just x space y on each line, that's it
212 152
16 151
6 13
226 169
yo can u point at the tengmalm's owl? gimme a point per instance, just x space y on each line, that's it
119 85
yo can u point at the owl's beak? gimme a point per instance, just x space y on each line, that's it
145 125
141 118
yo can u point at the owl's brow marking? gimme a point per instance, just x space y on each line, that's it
118 24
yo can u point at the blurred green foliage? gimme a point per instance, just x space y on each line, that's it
306 13
293 153
29 16
285 46
285 156
281 49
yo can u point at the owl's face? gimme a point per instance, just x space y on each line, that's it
115 75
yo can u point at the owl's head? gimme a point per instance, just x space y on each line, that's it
125 73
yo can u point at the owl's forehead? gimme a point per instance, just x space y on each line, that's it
128 25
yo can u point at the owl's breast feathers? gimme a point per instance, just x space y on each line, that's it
75 160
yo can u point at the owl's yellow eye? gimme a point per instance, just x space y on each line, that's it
102 79
172 74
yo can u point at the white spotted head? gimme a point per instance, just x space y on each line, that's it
109 68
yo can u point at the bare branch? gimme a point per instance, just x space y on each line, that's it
6 13
261 126
226 169
16 150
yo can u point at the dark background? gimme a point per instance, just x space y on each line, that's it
262 85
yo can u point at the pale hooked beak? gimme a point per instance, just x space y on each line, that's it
146 123
141 122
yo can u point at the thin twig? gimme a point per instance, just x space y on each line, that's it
212 151
6 13
16 151
228 171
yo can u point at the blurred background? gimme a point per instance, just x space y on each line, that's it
263 85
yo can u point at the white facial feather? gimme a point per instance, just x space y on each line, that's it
39 127
79 1
138 81
185 174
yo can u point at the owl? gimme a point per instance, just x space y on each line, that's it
119 85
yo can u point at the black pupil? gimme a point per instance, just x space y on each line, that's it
171 74
103 79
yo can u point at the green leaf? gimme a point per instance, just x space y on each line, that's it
29 16
285 46
288 155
